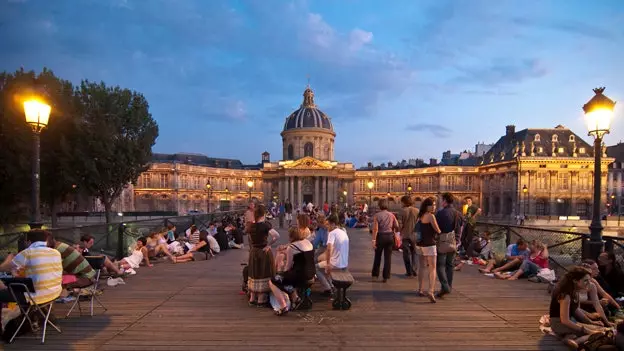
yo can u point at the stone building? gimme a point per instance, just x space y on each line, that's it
615 182
555 166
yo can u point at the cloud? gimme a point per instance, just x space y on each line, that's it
437 130
500 71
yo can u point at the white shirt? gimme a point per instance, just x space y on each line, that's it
214 245
339 240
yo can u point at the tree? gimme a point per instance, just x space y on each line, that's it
118 133
57 142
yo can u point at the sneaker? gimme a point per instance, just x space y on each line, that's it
130 271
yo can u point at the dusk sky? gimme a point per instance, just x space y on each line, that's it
400 79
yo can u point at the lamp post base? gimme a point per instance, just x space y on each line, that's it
596 244
595 249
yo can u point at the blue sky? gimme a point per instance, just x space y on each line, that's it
400 79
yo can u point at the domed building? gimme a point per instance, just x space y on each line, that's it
308 132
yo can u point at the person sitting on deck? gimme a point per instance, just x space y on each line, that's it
156 244
200 251
607 302
512 260
612 273
74 264
567 319
235 236
86 243
298 270
171 234
139 254
192 234
531 265
337 254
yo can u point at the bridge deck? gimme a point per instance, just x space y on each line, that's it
197 306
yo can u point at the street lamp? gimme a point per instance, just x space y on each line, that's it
37 116
598 115
344 192
409 189
250 186
209 189
370 185
525 192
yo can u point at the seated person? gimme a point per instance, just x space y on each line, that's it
298 270
336 256
156 244
567 319
139 254
320 238
73 264
199 251
512 260
535 261
192 234
612 274
171 235
235 236
212 228
221 238
38 262
607 302
215 248
86 242
303 223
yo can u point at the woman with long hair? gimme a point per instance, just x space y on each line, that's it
426 247
303 223
261 266
567 319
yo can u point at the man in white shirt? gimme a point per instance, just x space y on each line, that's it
337 254
214 245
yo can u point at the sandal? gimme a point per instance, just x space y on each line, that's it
281 312
431 298
421 293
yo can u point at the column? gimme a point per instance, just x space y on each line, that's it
291 190
332 190
322 197
317 194
299 190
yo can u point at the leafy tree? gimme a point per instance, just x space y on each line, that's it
118 133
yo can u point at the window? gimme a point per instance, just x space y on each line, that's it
469 183
564 181
537 138
582 208
584 181
308 150
540 207
542 181
581 150
555 138
164 181
572 138
145 183
291 152
184 181
560 150
540 149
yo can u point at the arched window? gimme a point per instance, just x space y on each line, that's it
537 137
308 150
555 138
291 152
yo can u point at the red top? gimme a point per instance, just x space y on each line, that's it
540 260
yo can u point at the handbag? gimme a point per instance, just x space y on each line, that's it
417 231
446 243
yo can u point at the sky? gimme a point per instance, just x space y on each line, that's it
400 79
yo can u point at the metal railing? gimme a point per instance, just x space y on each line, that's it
565 248
114 238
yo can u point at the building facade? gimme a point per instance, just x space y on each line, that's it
615 182
542 172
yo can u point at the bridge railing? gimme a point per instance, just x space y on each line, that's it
565 248
114 238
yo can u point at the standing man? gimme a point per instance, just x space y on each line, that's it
409 216
471 214
288 208
449 221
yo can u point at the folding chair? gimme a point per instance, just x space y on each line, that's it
22 289
97 263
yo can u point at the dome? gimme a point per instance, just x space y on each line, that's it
308 115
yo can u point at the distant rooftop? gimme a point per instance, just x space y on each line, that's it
202 160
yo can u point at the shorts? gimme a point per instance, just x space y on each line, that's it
288 216
427 250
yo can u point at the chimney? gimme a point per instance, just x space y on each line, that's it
433 162
510 130
266 157
390 164
370 165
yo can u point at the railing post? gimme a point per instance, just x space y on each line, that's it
120 240
193 220
585 253
608 244
508 236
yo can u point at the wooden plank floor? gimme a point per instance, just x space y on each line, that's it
197 306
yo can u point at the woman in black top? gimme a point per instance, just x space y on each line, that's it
299 269
565 310
426 247
261 267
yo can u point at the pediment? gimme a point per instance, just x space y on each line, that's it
308 163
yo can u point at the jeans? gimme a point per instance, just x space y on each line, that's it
385 244
409 256
466 240
445 266
529 268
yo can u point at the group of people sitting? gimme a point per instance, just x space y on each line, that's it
309 254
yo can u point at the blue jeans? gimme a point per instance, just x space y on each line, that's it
529 268
445 267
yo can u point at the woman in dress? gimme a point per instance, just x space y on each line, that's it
139 254
426 247
261 266
299 269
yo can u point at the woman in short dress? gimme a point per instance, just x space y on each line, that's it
261 266
426 247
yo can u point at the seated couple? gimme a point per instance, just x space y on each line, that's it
521 260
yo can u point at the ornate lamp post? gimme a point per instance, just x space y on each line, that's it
250 184
344 192
598 115
525 192
37 116
370 186
613 208
209 189
409 189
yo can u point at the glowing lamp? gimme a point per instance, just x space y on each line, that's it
37 114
